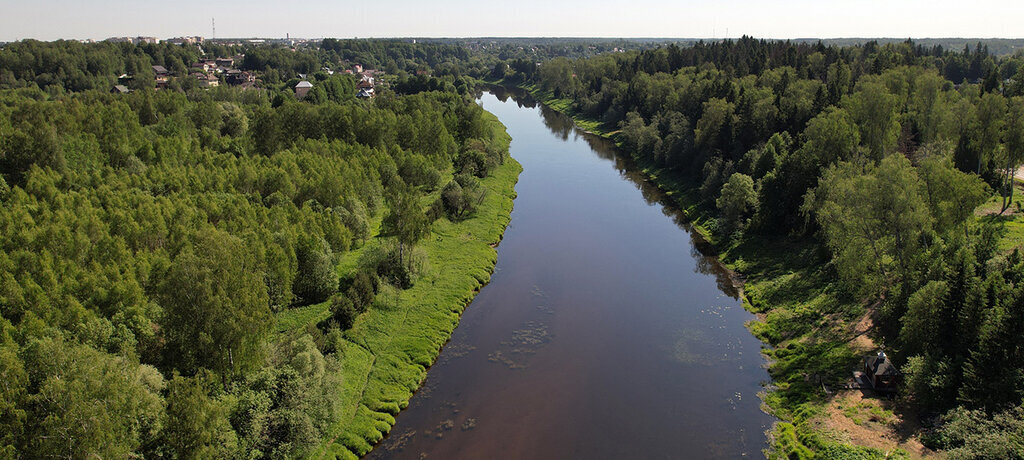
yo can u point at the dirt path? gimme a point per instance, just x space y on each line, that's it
861 418
861 342
865 420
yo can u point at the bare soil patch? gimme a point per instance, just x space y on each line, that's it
859 418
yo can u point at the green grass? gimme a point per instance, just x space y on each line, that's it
1012 225
1013 236
297 318
863 412
387 351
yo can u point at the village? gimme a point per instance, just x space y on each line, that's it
214 72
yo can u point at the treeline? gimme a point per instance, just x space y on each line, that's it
71 66
396 54
147 241
395 57
880 153
56 67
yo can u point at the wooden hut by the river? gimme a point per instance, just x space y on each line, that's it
881 373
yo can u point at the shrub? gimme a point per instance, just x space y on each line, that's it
475 159
460 198
363 290
974 434
385 264
343 311
391 268
316 278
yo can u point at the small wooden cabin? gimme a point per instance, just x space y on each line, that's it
302 88
881 373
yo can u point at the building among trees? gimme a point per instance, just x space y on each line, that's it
880 372
302 88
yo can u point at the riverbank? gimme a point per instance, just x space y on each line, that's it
816 336
386 353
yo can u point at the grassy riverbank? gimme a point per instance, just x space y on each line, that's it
816 335
387 351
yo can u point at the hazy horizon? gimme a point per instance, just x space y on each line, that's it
795 19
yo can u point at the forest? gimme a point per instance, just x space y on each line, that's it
879 179
157 247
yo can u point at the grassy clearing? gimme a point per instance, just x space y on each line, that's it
387 351
1011 221
802 315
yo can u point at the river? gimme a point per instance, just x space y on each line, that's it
604 331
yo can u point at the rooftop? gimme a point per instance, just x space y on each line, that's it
880 365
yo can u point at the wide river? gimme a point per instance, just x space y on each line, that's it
604 332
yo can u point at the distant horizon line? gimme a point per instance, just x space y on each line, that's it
514 37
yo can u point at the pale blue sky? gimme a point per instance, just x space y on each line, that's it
53 19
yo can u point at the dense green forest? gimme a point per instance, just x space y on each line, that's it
179 270
70 66
845 181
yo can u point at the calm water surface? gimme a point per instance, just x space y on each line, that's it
603 333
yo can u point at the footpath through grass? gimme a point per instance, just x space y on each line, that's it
810 327
386 353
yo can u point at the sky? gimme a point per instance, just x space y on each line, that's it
99 19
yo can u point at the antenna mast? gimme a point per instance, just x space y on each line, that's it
213 22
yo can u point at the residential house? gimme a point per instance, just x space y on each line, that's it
238 77
161 76
881 373
206 80
365 82
120 89
302 88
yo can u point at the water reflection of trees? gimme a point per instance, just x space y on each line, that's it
520 97
562 126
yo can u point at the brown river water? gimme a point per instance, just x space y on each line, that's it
604 332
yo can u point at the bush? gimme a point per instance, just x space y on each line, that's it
460 198
343 311
384 263
476 159
848 452
974 434
391 268
363 289
334 339
316 278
